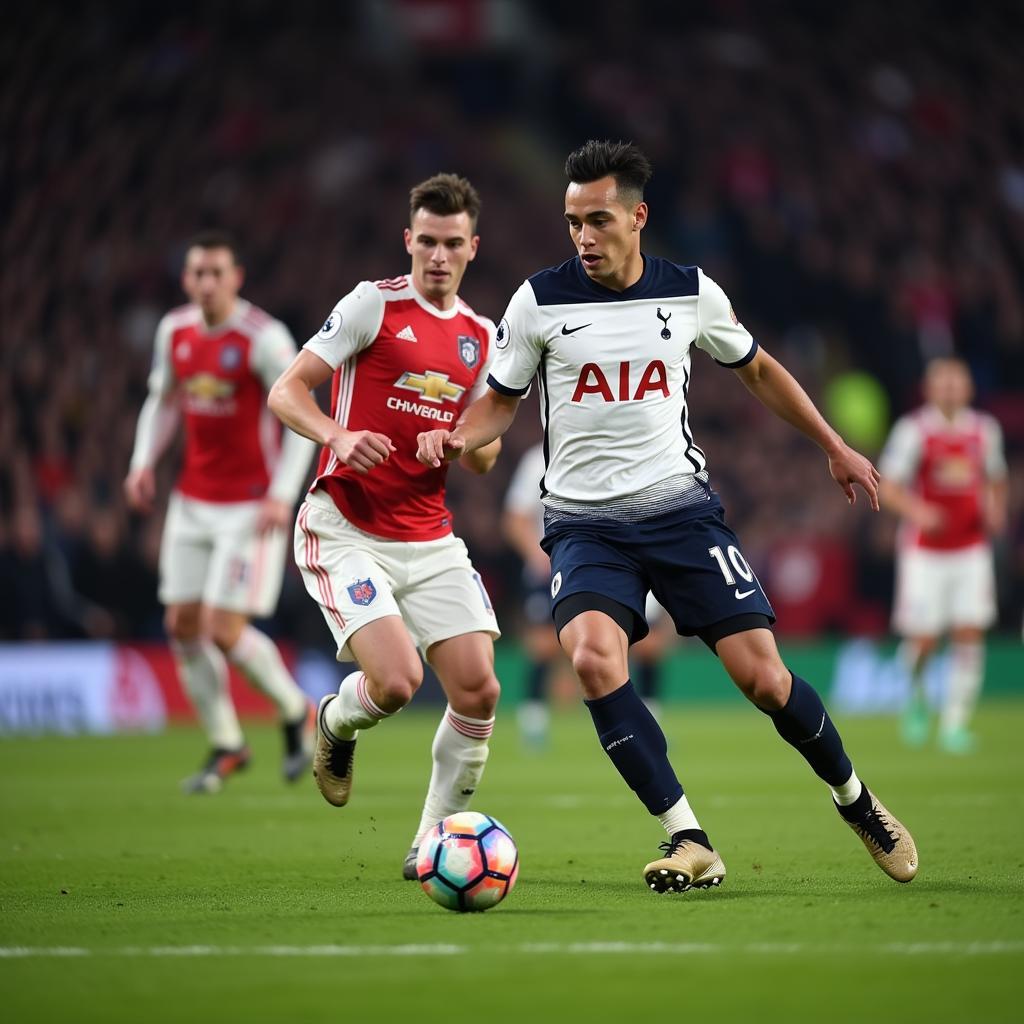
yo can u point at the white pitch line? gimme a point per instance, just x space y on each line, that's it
583 801
959 949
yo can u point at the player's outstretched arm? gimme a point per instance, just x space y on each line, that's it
480 424
292 402
773 385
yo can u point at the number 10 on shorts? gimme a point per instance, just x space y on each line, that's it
739 563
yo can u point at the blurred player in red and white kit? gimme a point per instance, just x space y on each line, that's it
944 473
374 539
224 542
523 525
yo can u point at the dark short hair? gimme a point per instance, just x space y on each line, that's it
445 194
215 238
623 161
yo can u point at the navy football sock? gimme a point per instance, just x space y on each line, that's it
804 724
633 740
535 680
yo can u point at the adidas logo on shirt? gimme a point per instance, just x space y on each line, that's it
406 334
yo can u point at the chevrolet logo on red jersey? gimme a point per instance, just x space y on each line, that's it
433 386
205 386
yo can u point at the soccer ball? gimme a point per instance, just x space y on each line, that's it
467 862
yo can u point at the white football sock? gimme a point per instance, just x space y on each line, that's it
353 710
259 660
460 753
966 669
679 817
848 792
204 675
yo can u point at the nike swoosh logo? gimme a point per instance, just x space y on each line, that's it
573 330
739 596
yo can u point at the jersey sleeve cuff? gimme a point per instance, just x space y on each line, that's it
740 362
504 389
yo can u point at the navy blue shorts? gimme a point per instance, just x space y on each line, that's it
689 559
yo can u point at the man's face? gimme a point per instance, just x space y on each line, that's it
948 385
440 247
212 279
604 228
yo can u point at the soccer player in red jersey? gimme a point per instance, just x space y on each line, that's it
944 473
224 542
374 539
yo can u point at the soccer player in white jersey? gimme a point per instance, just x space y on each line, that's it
944 473
629 505
374 539
224 542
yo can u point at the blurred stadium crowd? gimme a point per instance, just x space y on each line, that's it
862 204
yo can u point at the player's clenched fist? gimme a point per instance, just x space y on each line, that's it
362 450
435 445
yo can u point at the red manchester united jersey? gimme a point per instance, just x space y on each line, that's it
401 366
947 464
232 441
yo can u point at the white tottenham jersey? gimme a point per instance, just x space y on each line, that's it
614 369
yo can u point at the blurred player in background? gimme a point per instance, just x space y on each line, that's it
944 473
224 542
629 508
647 656
523 526
374 539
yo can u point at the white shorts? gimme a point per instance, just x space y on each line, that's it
356 578
939 590
211 552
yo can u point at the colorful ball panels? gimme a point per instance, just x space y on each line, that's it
468 862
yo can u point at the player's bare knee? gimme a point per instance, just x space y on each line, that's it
224 630
594 664
767 685
182 623
393 688
479 698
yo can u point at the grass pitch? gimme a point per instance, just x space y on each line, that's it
122 900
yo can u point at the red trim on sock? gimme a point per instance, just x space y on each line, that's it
366 700
474 730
